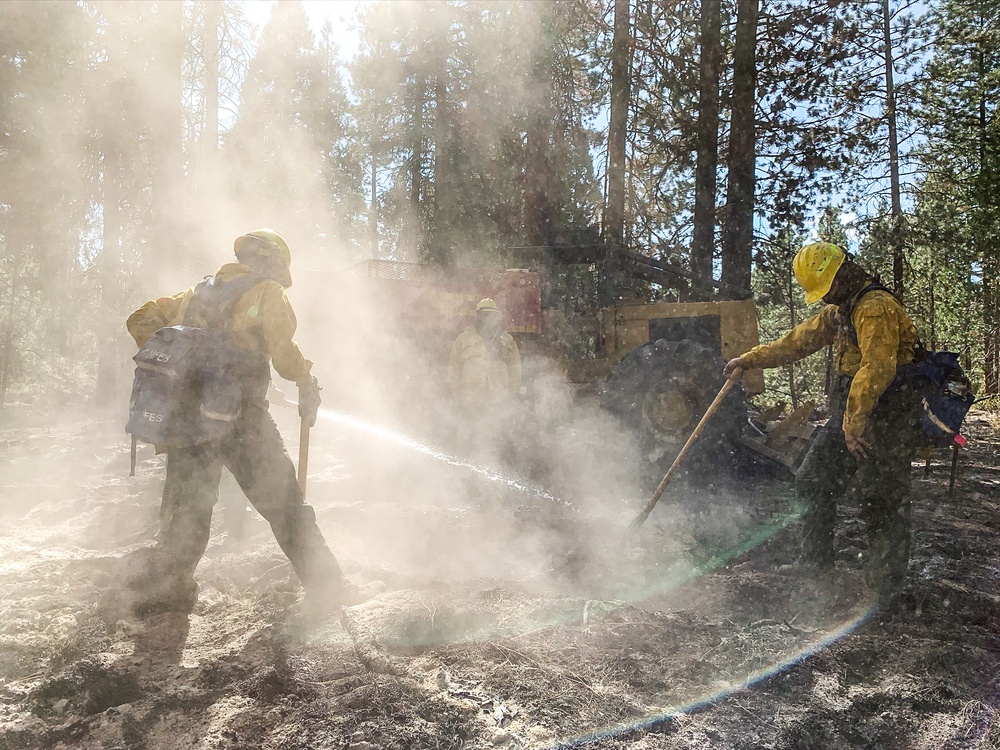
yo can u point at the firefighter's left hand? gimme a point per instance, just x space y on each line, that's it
858 446
309 400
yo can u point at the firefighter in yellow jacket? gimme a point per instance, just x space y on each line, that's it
261 322
484 376
485 366
873 430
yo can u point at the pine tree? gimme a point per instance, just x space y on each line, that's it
737 237
43 201
706 169
481 110
290 167
962 161
663 140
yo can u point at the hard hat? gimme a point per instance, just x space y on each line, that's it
815 265
488 305
273 244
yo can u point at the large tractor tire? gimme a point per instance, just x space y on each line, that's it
660 390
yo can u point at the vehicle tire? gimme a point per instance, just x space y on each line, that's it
660 390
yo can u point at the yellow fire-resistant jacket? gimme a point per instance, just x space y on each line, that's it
476 377
885 340
263 322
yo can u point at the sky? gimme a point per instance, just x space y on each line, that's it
342 15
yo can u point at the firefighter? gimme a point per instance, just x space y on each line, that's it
873 431
261 322
484 377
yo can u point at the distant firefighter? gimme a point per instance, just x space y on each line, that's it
484 377
485 363
874 428
221 419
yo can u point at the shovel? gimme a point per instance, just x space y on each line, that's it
303 455
699 428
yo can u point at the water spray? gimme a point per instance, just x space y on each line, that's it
396 438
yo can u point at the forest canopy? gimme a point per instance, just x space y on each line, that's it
137 139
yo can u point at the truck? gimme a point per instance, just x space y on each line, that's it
618 326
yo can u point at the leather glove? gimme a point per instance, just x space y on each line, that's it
732 366
309 400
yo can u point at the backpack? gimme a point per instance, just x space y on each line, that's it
945 395
190 379
938 380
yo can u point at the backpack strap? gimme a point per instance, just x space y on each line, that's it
847 315
847 319
212 300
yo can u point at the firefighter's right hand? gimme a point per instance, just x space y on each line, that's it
858 446
732 366
309 400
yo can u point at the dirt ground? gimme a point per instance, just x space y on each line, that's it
506 621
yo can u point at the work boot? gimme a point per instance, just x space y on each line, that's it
888 605
887 585
319 604
177 595
150 587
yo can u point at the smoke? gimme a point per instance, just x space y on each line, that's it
521 492
153 200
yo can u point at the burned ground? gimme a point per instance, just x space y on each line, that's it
487 634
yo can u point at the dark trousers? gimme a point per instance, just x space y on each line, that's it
882 483
255 454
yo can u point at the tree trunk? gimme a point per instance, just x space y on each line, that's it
991 326
737 240
896 210
6 360
439 251
932 313
109 263
792 322
171 204
210 48
706 169
537 207
416 161
537 168
614 216
988 250
373 208
8 352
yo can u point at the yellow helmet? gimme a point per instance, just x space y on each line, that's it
488 305
815 265
268 242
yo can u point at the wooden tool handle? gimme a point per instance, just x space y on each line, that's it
303 455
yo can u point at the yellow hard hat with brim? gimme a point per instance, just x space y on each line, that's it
487 305
267 243
815 267
267 240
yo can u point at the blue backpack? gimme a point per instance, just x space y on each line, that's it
190 379
945 394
